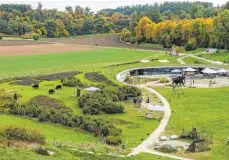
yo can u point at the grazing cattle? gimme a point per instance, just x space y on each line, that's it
58 87
51 91
35 86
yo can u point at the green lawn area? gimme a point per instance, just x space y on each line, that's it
221 56
151 45
25 154
50 131
195 61
13 38
198 50
133 117
202 109
85 60
194 110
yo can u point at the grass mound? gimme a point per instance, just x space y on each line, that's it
25 82
97 77
47 102
57 76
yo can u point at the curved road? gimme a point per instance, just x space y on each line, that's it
143 147
180 60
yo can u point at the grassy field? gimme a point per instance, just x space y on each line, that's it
134 118
37 64
221 56
195 61
193 110
202 109
50 131
15 154
151 45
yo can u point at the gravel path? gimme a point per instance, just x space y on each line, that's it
180 60
143 147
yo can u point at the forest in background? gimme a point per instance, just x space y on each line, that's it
167 23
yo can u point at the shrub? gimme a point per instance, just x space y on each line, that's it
65 117
42 151
27 36
1 36
164 80
167 149
130 91
72 82
113 140
111 31
21 134
191 45
132 40
113 108
35 36
92 108
125 35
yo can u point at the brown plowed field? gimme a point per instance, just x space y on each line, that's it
101 40
20 42
16 50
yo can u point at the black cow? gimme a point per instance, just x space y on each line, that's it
35 86
51 91
58 87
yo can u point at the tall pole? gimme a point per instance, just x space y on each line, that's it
90 38
91 35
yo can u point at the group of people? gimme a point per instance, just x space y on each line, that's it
139 100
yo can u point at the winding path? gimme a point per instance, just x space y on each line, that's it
144 146
180 60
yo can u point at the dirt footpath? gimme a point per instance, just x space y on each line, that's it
44 48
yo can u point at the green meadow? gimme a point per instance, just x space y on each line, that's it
191 110
203 109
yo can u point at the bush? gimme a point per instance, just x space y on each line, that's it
111 31
42 151
164 80
113 108
21 134
132 40
35 36
65 117
1 36
92 108
166 149
27 36
113 140
191 45
129 91
72 82
125 35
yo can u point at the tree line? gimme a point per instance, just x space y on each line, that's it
191 33
22 20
